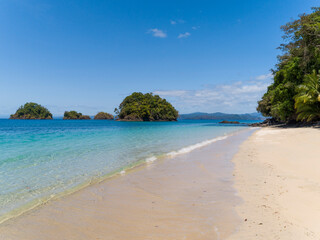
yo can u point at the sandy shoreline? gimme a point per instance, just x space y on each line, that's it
190 196
277 176
270 191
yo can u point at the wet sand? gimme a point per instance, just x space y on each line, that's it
190 196
277 174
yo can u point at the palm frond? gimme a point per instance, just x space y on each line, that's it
307 100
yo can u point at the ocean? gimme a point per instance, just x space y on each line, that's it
44 159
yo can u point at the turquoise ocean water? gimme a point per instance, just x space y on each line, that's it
41 159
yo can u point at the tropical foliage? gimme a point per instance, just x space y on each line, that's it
31 111
146 107
307 101
73 115
103 116
301 56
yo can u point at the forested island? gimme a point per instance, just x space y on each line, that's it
146 107
73 115
103 116
31 110
294 94
136 107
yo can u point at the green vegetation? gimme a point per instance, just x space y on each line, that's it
103 116
31 111
146 107
307 101
73 115
292 95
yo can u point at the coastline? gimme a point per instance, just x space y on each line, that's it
277 176
173 197
37 203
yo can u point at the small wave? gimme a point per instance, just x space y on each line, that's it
187 149
195 146
151 159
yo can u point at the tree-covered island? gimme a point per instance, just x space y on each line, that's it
294 94
103 116
73 115
31 110
146 107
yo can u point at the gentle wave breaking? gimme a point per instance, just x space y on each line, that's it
195 146
188 149
151 159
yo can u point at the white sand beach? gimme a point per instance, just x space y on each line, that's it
271 191
277 176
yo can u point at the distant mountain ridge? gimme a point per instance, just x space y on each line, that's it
222 116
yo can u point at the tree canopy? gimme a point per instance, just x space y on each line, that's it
301 57
103 116
146 107
73 115
307 101
31 110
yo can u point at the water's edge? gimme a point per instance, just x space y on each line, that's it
42 201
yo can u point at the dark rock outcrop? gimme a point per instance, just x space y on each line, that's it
229 122
266 123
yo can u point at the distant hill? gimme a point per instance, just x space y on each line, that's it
222 116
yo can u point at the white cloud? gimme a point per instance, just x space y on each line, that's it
157 33
238 97
195 27
184 35
265 76
173 22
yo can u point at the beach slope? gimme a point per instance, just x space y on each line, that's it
277 176
189 196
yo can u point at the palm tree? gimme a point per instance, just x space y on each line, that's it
307 101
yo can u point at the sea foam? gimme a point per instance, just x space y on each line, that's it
151 159
187 149
195 146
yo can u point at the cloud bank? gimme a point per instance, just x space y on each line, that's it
238 97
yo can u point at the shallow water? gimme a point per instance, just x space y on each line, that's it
40 159
190 196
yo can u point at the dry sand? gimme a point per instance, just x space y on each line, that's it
187 197
277 174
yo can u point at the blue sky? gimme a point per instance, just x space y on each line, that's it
88 55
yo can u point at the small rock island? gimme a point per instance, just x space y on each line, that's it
73 115
146 107
103 116
31 110
229 122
